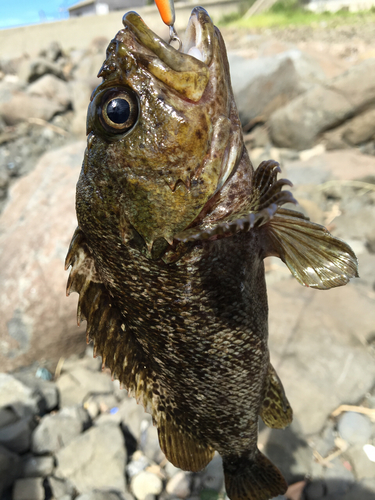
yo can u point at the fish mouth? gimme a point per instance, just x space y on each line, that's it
186 70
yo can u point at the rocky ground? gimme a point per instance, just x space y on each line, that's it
307 99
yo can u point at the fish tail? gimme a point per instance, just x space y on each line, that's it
252 478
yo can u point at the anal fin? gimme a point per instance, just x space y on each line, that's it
252 478
180 449
314 257
276 411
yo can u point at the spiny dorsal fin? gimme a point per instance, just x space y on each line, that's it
315 257
105 325
265 199
276 411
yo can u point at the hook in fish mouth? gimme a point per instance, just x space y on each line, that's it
197 41
185 70
173 37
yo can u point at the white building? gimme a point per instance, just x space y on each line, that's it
99 7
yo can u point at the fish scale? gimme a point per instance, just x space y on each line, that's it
173 226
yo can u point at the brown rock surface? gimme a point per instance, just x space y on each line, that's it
36 319
299 123
318 343
22 106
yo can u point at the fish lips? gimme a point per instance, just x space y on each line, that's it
185 70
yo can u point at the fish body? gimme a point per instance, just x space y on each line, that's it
174 225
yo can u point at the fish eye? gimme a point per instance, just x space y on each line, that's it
118 111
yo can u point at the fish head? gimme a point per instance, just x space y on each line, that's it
159 129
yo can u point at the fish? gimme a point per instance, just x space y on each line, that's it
174 224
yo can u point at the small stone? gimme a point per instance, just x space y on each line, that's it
104 495
144 484
355 428
16 436
60 487
315 490
137 464
15 394
45 391
10 466
179 485
362 490
78 383
362 464
7 416
57 430
28 489
171 470
149 441
37 466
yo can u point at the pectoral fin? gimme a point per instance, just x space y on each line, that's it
276 411
315 257
267 196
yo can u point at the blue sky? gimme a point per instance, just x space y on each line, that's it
21 12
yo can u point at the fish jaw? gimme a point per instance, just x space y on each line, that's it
186 139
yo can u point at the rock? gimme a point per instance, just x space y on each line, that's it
10 468
28 489
60 487
363 490
144 484
170 469
356 131
355 428
7 416
213 474
52 52
298 124
36 319
57 430
94 460
22 107
287 449
179 485
263 85
338 478
37 466
17 396
137 464
149 441
16 436
362 466
53 88
103 495
317 348
45 391
31 70
81 92
79 383
343 165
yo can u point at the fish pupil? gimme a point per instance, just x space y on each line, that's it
118 110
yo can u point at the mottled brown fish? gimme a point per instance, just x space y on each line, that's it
174 224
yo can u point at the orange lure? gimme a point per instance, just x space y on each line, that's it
166 10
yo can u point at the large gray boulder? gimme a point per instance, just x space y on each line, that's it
36 319
265 84
299 124
94 460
